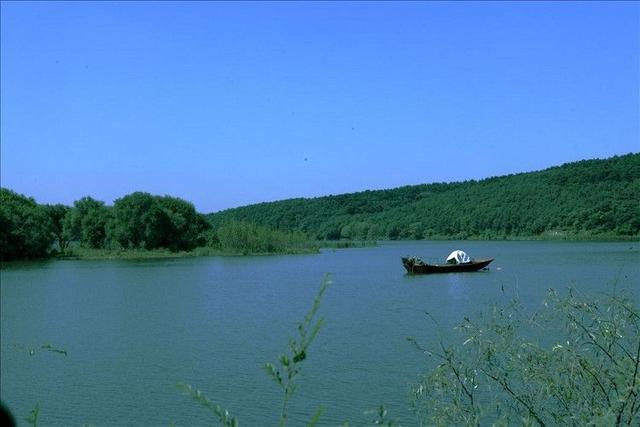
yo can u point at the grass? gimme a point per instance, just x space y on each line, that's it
342 244
79 253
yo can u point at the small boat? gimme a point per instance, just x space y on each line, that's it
457 262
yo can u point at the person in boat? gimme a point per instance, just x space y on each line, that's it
414 260
458 257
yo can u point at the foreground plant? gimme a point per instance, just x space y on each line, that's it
506 370
289 364
222 415
32 419
286 371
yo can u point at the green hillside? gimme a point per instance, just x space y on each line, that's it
585 199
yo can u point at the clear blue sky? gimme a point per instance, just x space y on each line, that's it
227 104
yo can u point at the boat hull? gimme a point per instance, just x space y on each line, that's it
474 265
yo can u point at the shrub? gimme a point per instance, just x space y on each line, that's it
507 368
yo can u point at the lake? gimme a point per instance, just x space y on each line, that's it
134 329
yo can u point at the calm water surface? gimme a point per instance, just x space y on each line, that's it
134 329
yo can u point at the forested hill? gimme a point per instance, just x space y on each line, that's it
589 198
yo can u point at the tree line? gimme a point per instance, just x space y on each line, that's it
590 198
136 221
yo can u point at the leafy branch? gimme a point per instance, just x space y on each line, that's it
223 416
504 369
32 419
285 372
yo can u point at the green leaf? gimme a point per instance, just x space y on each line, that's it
316 417
223 416
32 419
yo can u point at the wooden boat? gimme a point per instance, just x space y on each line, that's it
415 265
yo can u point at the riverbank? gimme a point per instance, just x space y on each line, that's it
79 253
344 244
94 254
551 236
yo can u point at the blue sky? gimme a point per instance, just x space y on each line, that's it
227 104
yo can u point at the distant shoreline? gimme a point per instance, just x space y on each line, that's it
84 254
584 200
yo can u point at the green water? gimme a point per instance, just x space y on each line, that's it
133 329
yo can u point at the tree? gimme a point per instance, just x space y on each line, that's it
87 222
25 227
139 221
142 220
57 214
186 225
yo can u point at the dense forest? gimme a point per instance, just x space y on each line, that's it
585 199
138 221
